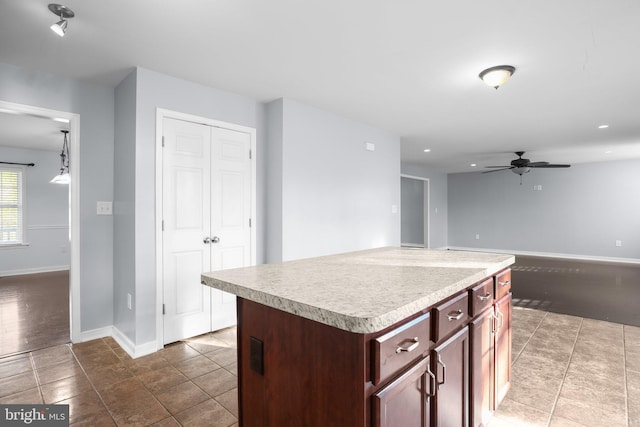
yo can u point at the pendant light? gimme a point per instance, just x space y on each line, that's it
60 27
63 177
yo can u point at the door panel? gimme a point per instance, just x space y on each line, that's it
230 214
186 216
503 348
451 367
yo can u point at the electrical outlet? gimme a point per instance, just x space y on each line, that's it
618 243
129 301
394 209
370 146
477 237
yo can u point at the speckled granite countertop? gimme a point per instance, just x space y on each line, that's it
364 291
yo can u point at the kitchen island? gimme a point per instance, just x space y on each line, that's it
381 337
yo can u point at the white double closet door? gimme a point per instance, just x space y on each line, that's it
206 209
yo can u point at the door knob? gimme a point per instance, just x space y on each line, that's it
215 239
206 240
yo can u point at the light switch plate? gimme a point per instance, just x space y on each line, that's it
105 208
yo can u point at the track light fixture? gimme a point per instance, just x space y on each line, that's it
497 76
60 27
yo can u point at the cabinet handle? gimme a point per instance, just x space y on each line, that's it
494 325
432 383
484 297
500 318
414 344
444 372
455 315
505 283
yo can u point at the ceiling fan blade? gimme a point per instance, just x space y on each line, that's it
550 166
537 164
496 170
505 166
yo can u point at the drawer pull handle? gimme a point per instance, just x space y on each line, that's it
414 344
484 297
505 283
455 315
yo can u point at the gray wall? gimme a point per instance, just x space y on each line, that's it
95 105
275 124
336 196
580 211
412 211
46 215
124 205
154 90
438 203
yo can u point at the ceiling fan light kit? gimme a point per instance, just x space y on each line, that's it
521 166
497 76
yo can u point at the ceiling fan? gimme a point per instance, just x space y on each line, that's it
521 166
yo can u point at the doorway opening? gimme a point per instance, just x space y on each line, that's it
40 268
414 211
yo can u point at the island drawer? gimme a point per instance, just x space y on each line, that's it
503 284
396 349
450 316
481 297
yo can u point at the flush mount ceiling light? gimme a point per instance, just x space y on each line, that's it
60 27
497 76
63 177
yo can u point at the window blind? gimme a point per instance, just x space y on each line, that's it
11 212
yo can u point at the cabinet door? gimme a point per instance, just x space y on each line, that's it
405 402
451 366
482 367
503 348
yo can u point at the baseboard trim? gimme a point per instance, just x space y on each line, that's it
20 272
129 346
95 334
550 255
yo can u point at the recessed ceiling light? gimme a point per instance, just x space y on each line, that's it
603 126
427 150
473 165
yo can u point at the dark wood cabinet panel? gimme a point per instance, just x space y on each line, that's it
405 402
503 348
451 365
482 367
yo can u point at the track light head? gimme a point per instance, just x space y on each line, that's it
64 13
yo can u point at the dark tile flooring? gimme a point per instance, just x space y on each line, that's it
190 383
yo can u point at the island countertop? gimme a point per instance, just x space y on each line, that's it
364 291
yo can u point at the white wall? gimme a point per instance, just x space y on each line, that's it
95 105
580 211
438 203
336 196
46 215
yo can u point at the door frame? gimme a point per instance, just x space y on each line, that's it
162 114
427 204
74 200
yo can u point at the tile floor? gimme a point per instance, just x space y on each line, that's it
567 371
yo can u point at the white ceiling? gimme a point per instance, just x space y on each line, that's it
31 132
407 66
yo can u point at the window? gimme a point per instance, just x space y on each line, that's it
11 210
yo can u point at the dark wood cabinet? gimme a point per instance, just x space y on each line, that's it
482 367
450 362
490 334
446 366
503 348
406 401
